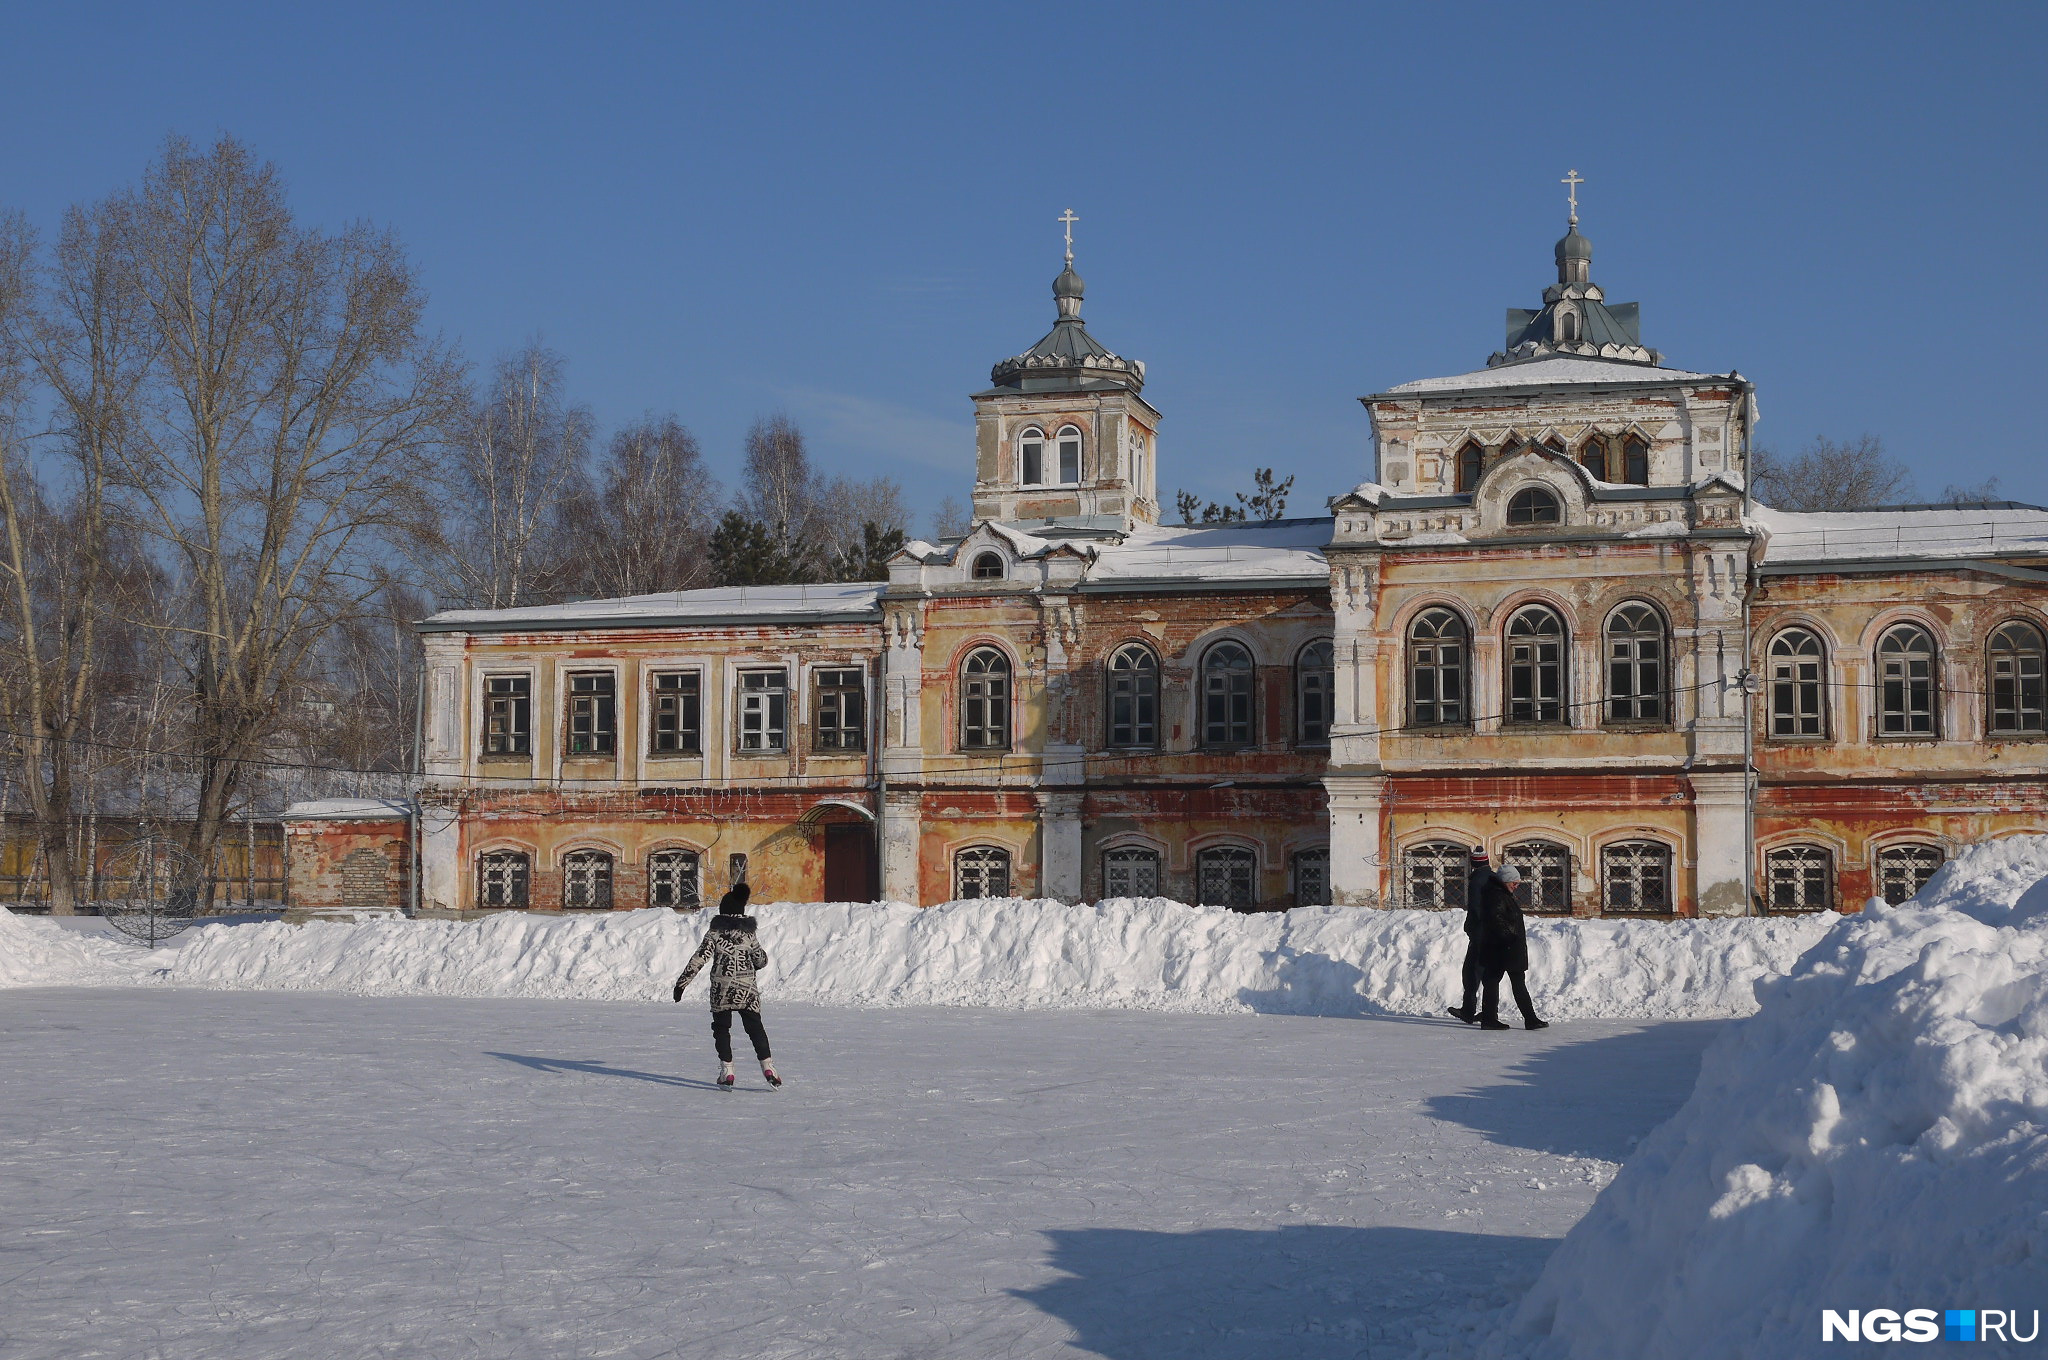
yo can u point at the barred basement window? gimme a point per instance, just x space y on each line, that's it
1435 874
764 711
593 713
1315 688
1535 656
1799 878
508 715
1227 876
1905 682
841 722
981 871
1312 877
1635 665
503 878
1903 870
673 881
1436 670
677 726
1636 877
586 881
1133 697
2017 697
1227 684
1130 871
1547 869
1798 671
985 701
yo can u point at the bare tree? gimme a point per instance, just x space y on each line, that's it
863 513
519 457
645 525
1987 490
1830 475
780 489
290 404
951 519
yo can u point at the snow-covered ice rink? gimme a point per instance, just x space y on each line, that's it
209 1175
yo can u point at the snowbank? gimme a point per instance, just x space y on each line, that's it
1132 953
37 953
1875 1137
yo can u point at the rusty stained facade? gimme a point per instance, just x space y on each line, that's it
1546 628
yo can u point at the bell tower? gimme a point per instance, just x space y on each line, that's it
1063 440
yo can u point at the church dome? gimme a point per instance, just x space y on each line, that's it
1067 285
1573 246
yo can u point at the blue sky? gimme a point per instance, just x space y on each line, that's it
848 212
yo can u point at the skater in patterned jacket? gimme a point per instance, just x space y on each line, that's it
734 955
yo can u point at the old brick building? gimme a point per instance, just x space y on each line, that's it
1556 624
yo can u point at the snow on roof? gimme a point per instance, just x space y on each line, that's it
346 809
1903 532
1274 550
678 606
1552 372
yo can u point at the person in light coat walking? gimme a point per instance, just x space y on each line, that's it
736 958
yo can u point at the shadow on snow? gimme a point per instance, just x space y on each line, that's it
1308 1292
593 1068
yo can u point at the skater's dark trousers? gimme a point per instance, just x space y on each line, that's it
1489 1007
721 1032
1469 975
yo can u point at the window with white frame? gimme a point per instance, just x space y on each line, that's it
1227 876
981 871
676 722
1312 877
586 881
1434 874
593 713
764 711
2018 700
985 701
1903 870
1798 685
1130 871
1799 878
508 715
1436 670
1905 682
1070 456
839 720
1228 681
504 878
1315 692
1132 699
1635 664
674 880
1536 667
1546 867
1635 876
1031 457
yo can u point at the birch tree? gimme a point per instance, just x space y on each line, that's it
645 523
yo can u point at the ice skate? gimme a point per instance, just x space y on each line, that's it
768 1071
725 1075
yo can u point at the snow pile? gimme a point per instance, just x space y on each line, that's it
1875 1137
36 953
1146 953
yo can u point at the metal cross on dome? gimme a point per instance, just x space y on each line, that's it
1572 179
1069 218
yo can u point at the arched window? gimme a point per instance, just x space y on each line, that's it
1471 464
1031 457
1227 685
1130 871
1799 878
985 701
981 871
1635 876
1315 687
1903 870
1593 456
1905 682
1798 681
1533 505
672 880
2017 697
1567 326
586 881
1635 460
503 878
1434 874
1547 868
988 566
1133 698
1436 670
1227 876
1635 665
1312 877
1070 456
1536 671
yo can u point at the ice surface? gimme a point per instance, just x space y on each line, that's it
1876 1136
204 1175
1145 953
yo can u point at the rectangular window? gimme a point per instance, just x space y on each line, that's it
678 715
508 715
593 713
841 722
1034 463
764 711
1796 697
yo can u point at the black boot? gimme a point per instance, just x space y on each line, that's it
1461 1013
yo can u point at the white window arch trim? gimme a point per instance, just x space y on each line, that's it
1031 442
1067 445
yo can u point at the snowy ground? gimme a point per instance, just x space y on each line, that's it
214 1174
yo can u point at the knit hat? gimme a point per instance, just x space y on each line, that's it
1479 854
734 903
1510 875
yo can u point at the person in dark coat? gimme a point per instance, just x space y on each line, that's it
735 956
1504 950
1476 880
